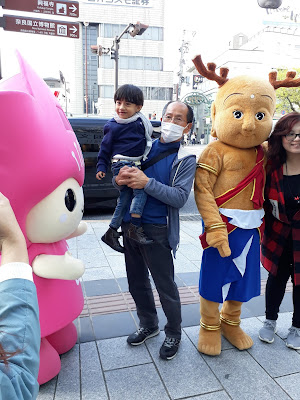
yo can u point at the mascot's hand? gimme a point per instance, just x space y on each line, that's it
219 239
80 230
58 267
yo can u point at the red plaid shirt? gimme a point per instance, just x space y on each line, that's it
278 227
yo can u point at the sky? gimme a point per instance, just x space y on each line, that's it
209 25
213 22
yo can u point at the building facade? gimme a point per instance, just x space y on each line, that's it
141 58
276 46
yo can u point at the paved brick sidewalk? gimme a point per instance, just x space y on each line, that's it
102 366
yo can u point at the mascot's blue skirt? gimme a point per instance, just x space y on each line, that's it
216 271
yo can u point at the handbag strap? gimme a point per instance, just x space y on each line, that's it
159 157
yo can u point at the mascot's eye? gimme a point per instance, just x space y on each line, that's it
259 116
237 114
70 199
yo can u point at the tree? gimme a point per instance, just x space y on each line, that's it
288 99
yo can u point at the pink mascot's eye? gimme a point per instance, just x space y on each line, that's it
70 200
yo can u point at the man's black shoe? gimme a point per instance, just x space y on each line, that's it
169 348
141 335
137 233
111 237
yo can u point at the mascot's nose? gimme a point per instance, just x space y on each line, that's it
248 125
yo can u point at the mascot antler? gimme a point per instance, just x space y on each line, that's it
209 72
289 81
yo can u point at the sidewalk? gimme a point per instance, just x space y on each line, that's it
103 367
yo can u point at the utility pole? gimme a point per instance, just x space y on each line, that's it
184 48
115 56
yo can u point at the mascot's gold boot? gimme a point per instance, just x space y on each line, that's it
230 321
210 328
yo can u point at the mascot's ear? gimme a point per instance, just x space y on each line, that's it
213 120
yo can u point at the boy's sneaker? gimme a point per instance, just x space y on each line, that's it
267 332
142 334
293 339
111 238
137 233
169 348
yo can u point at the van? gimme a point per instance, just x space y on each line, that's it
89 133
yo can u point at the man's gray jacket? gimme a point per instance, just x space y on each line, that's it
176 193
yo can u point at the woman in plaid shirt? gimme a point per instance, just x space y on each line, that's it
280 251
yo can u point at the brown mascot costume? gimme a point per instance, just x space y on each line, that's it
229 185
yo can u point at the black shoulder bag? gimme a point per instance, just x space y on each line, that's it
159 157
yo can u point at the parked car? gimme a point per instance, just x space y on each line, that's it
89 132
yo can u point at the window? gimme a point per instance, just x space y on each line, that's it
124 62
156 93
113 30
150 93
107 62
132 62
107 91
89 37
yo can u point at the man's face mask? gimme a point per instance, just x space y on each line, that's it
171 132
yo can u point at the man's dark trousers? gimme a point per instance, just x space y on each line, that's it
158 258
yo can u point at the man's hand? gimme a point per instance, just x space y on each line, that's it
100 175
132 177
12 241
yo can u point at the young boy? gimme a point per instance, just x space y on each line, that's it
127 140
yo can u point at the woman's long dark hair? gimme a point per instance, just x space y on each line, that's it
276 152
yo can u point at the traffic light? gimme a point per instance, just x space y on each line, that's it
113 54
97 49
137 29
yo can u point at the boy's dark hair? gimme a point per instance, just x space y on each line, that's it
190 112
276 152
130 93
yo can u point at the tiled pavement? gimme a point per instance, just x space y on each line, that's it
103 367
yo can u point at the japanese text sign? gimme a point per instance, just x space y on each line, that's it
41 26
65 8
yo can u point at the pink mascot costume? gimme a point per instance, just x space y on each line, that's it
42 172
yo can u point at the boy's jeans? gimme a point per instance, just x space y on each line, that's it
137 203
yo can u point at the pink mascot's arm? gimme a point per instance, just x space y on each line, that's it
60 301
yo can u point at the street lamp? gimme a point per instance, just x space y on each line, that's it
269 3
133 30
86 24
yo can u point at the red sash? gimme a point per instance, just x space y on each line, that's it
258 175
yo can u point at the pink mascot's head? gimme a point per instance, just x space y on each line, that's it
38 148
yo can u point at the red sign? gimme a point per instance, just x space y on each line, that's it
65 8
41 26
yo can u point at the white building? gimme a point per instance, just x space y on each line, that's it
277 46
140 61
